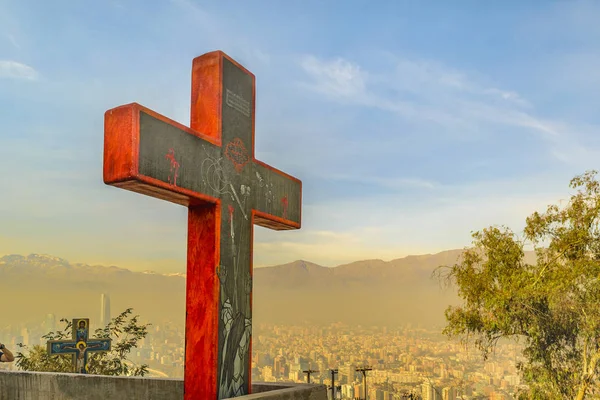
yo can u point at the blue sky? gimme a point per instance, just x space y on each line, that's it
411 125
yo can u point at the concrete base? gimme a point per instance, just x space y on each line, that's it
52 386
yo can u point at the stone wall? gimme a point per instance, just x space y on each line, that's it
52 386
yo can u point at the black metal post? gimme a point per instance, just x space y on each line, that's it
333 372
364 370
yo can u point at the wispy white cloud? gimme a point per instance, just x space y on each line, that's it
16 70
425 92
416 89
338 78
430 79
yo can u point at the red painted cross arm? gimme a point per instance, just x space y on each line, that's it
124 129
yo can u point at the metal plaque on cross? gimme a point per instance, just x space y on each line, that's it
80 345
211 169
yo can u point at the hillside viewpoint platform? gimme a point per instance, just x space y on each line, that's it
20 385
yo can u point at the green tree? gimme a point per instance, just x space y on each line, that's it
125 331
551 307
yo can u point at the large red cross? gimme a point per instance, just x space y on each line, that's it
210 169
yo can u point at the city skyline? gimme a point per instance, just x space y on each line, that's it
402 359
423 125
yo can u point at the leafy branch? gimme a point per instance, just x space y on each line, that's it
125 331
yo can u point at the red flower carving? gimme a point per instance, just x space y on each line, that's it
237 153
174 172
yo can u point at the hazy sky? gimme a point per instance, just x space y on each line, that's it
410 126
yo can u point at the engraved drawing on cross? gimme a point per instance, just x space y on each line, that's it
236 325
261 181
174 172
237 330
269 197
248 287
237 153
234 196
284 204
268 191
213 176
222 273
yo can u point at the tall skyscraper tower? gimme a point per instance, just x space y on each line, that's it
50 322
104 310
25 334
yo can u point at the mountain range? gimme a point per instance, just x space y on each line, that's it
368 292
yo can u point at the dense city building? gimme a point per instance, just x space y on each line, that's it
404 361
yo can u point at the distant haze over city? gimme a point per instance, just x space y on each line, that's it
386 314
362 292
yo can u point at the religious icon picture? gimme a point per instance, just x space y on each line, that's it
81 332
